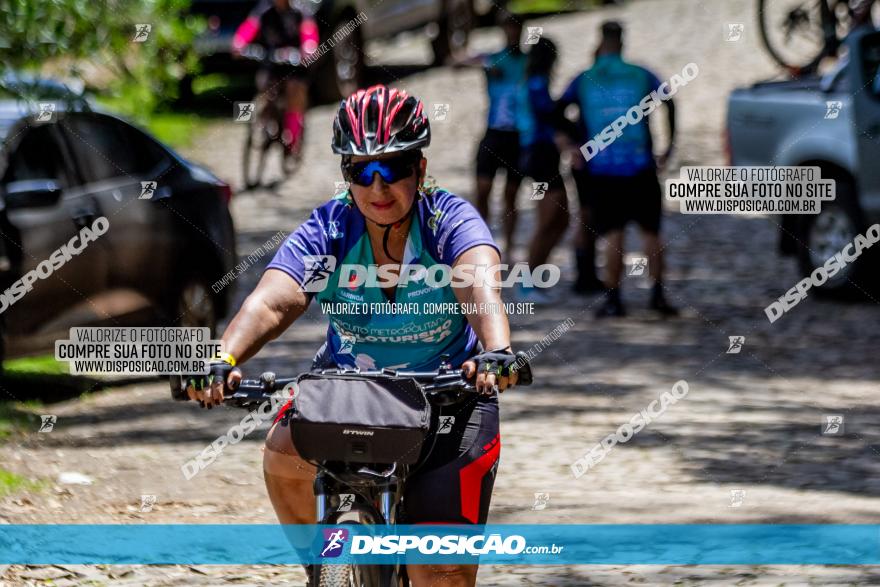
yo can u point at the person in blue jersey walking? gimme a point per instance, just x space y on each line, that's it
537 121
618 184
387 220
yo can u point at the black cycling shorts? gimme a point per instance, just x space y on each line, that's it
499 149
541 163
453 480
616 200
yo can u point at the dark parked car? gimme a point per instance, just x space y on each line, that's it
163 250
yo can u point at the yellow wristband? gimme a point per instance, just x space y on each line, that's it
226 358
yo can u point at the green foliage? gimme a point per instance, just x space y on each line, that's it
12 483
95 38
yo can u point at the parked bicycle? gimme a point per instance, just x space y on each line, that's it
366 432
265 117
799 34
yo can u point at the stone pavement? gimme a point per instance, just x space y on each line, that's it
749 426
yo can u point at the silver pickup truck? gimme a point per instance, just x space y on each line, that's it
831 122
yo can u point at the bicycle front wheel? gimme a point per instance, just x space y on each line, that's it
798 34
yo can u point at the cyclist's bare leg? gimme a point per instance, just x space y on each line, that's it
511 188
289 484
296 93
550 228
288 479
442 575
613 258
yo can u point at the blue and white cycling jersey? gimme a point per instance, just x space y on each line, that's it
444 226
505 75
603 93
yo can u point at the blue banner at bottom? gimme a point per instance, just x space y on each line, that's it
636 544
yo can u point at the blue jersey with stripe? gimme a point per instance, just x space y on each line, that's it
444 226
603 93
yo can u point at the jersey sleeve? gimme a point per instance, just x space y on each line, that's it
461 228
570 95
309 239
539 98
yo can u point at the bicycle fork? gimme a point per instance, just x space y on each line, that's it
387 494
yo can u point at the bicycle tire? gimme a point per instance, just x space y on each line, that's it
828 21
253 176
336 576
344 574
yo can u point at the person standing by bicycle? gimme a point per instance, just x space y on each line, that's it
277 25
389 219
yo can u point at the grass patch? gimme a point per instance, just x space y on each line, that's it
210 82
175 130
549 6
42 378
12 483
16 417
40 365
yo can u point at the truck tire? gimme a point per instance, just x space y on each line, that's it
823 235
454 28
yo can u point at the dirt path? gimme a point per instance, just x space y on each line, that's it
750 422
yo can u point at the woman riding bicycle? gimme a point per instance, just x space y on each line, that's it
279 25
387 218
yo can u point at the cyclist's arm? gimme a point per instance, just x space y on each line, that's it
490 327
246 32
569 129
270 310
670 114
655 85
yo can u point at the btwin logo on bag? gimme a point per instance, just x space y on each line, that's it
350 432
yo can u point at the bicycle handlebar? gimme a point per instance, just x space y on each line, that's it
279 56
444 385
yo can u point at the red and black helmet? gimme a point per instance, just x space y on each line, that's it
380 120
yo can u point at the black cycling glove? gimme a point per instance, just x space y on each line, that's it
501 362
218 368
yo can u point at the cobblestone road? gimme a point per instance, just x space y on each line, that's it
751 421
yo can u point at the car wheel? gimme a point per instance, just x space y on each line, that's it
196 307
348 62
453 30
825 234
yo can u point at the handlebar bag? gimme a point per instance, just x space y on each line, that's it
359 420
